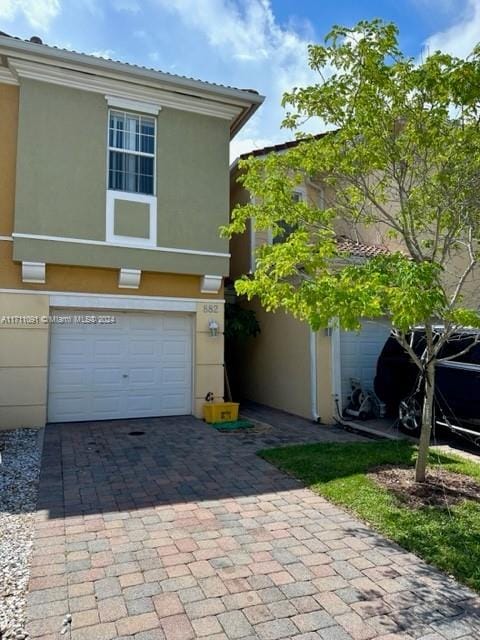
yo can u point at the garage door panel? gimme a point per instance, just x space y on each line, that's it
66 347
139 366
67 408
143 348
175 350
175 325
107 405
174 402
107 377
142 376
67 378
108 348
174 376
141 403
359 351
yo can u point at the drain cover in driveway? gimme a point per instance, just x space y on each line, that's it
136 433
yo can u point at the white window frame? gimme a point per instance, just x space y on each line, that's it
124 106
132 152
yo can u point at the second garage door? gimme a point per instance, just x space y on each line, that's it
359 351
138 366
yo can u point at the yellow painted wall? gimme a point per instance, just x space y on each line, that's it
98 280
8 155
325 401
23 360
275 366
209 354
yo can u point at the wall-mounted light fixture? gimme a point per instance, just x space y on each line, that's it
213 328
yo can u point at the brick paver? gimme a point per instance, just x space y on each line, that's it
184 533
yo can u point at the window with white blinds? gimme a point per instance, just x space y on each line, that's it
131 152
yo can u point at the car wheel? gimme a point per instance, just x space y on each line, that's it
410 415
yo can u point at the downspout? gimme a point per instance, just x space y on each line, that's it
313 376
336 373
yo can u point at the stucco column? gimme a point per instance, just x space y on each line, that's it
209 354
23 360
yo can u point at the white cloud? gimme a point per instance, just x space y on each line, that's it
130 6
38 13
108 54
257 51
460 38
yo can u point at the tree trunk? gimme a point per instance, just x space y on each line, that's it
427 423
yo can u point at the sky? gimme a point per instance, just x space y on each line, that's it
257 44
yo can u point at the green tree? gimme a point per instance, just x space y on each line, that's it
403 158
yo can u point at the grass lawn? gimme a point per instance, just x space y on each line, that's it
447 538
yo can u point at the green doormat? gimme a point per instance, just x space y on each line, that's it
232 426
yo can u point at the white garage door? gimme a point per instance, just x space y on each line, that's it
359 352
138 366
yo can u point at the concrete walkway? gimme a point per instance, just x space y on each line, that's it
182 532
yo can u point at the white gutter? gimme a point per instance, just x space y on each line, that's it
313 376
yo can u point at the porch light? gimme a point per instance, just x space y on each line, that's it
213 328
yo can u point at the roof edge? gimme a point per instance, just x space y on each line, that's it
249 100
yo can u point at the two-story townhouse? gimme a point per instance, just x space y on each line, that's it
288 366
113 184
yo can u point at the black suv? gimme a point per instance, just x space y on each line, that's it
457 385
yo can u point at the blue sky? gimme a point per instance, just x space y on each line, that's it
258 44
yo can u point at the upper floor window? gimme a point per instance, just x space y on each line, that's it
131 153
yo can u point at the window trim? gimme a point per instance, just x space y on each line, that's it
133 241
132 152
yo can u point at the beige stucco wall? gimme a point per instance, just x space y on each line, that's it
325 402
23 361
209 355
275 365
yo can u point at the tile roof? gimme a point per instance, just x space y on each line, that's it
38 41
360 249
282 146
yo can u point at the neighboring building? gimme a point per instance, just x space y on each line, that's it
288 366
113 185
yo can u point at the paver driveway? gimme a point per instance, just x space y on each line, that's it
184 533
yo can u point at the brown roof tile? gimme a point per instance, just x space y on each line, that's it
360 249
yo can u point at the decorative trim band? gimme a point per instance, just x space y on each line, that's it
103 243
119 302
133 105
121 88
112 297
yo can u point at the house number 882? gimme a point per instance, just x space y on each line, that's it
210 308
